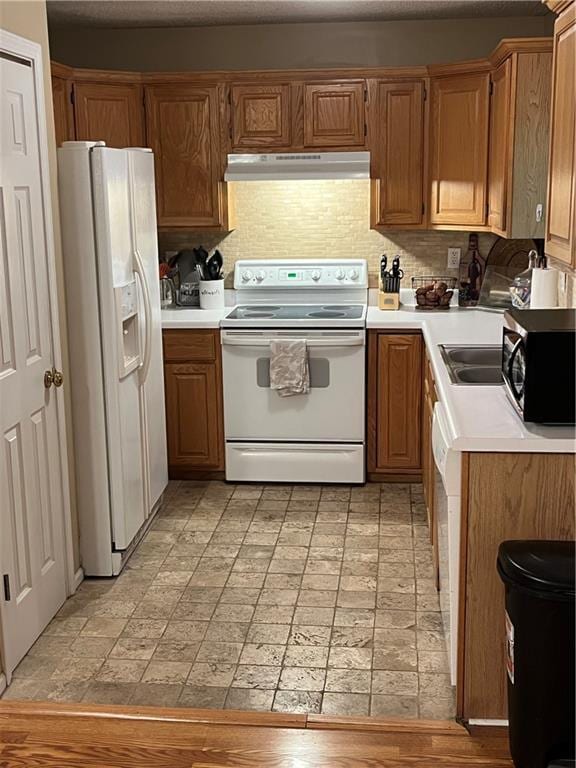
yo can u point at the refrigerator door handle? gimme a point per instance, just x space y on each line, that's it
145 365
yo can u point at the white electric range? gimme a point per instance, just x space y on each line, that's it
313 437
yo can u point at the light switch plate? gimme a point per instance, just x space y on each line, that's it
454 258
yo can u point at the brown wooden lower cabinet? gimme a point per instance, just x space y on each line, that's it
504 496
193 382
429 397
394 403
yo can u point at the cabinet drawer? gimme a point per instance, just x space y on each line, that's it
190 345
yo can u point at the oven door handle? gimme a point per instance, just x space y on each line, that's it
240 339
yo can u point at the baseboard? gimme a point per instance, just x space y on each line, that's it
409 476
77 579
177 473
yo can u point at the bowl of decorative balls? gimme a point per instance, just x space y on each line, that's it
433 293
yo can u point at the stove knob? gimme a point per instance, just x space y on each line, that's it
260 275
246 275
340 274
353 274
316 275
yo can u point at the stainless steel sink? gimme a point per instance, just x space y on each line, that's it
475 355
486 374
477 365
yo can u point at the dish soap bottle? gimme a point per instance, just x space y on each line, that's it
471 274
521 288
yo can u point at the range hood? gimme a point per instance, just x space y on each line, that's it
297 167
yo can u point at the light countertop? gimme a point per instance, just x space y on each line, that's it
480 418
180 317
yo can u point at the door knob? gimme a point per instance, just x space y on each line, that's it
53 377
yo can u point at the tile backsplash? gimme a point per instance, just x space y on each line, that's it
322 219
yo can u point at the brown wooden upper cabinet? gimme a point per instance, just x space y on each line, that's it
519 135
394 402
109 112
334 114
261 115
63 110
459 149
398 154
561 216
183 129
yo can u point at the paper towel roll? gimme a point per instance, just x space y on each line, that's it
544 293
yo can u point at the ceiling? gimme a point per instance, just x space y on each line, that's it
193 13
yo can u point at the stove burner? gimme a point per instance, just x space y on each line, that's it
251 314
326 314
260 308
333 307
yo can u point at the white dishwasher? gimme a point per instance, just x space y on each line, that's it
447 510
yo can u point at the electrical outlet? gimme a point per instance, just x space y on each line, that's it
454 258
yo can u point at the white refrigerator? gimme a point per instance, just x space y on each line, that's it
115 373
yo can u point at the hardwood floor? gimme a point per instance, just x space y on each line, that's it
37 735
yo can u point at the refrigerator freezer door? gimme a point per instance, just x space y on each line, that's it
86 379
123 396
141 163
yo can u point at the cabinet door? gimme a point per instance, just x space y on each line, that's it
182 126
561 219
394 403
399 153
334 114
109 112
193 415
260 115
459 149
63 112
500 140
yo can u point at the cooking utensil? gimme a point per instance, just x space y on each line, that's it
396 271
201 255
383 265
214 266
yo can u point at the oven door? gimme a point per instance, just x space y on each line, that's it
333 410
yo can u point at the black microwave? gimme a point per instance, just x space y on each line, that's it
538 363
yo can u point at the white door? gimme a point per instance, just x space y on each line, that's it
31 497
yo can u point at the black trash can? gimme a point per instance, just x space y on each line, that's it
539 582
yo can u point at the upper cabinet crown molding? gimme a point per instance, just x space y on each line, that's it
558 6
511 45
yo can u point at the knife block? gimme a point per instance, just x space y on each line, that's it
388 300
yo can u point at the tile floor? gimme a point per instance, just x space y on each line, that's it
292 599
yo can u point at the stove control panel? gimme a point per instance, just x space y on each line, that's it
301 273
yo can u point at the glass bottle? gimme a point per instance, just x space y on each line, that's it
471 274
521 287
